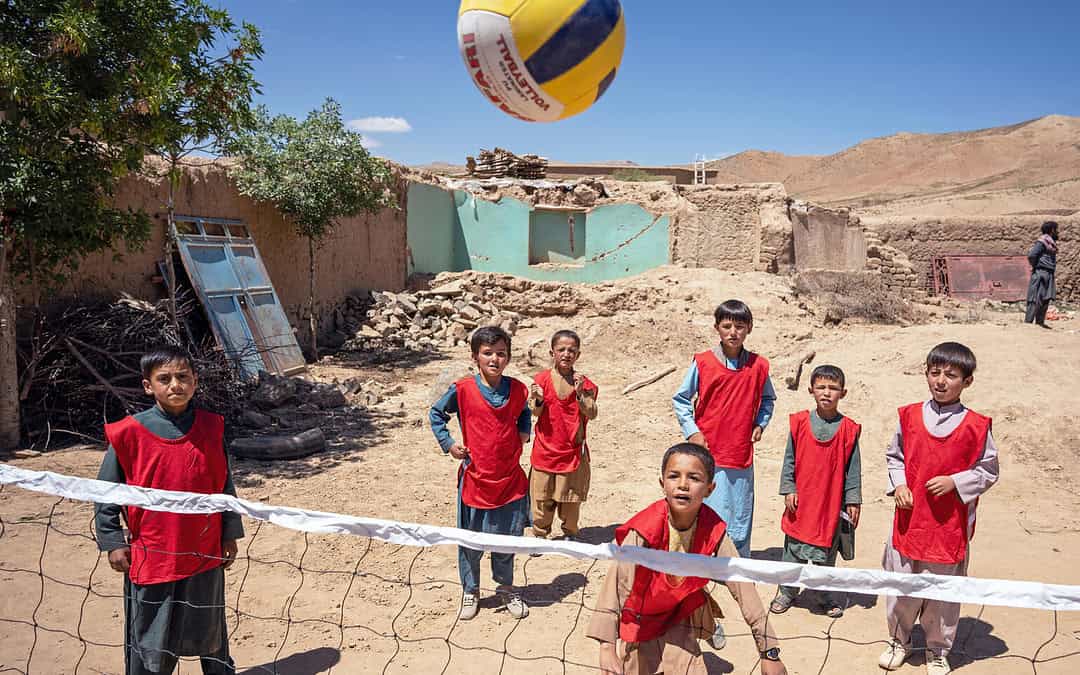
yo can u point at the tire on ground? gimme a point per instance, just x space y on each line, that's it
284 446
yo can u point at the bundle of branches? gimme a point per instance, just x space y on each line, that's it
80 367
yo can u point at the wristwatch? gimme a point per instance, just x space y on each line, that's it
771 654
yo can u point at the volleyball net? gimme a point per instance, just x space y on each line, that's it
314 592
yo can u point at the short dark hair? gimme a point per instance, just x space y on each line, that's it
952 354
566 333
827 372
1049 226
488 335
160 356
733 310
694 450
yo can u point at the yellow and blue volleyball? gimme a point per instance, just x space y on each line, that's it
542 60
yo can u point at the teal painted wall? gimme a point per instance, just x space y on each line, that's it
550 237
459 232
493 236
431 227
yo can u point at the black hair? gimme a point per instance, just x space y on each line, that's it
163 355
488 335
827 372
694 450
733 310
1049 227
565 334
952 354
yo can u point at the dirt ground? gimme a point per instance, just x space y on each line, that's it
316 602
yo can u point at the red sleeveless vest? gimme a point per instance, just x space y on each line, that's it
728 401
935 528
819 480
656 604
493 476
553 445
170 546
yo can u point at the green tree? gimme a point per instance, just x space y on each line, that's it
81 98
314 172
204 81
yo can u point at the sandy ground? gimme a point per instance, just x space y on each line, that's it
354 596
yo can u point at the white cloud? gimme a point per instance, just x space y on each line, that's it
369 142
381 125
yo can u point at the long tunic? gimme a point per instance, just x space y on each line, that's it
677 651
1041 286
823 430
185 617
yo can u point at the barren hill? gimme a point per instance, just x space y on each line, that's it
1031 167
761 166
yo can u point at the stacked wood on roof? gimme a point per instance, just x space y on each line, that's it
500 163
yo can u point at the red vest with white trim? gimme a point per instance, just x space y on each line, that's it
820 468
169 546
657 601
935 529
728 400
493 476
553 448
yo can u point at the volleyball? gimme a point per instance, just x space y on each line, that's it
542 60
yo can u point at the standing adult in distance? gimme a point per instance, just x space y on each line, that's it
1043 260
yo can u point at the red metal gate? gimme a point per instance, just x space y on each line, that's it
973 277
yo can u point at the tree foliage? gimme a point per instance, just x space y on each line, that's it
86 88
313 171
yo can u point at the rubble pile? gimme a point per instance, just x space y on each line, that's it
427 320
456 303
499 163
295 404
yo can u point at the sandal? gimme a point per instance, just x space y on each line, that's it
780 605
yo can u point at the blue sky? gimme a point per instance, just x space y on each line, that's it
698 76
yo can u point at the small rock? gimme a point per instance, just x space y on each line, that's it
327 396
471 313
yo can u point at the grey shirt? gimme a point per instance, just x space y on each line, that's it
110 531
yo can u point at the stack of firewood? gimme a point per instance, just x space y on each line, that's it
80 367
499 163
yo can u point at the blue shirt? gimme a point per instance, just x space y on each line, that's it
683 400
448 405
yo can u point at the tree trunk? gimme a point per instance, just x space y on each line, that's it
170 242
9 367
313 322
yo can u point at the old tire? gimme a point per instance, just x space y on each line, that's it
284 446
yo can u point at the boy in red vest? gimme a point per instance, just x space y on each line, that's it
649 622
734 405
942 458
174 588
563 401
493 491
822 474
